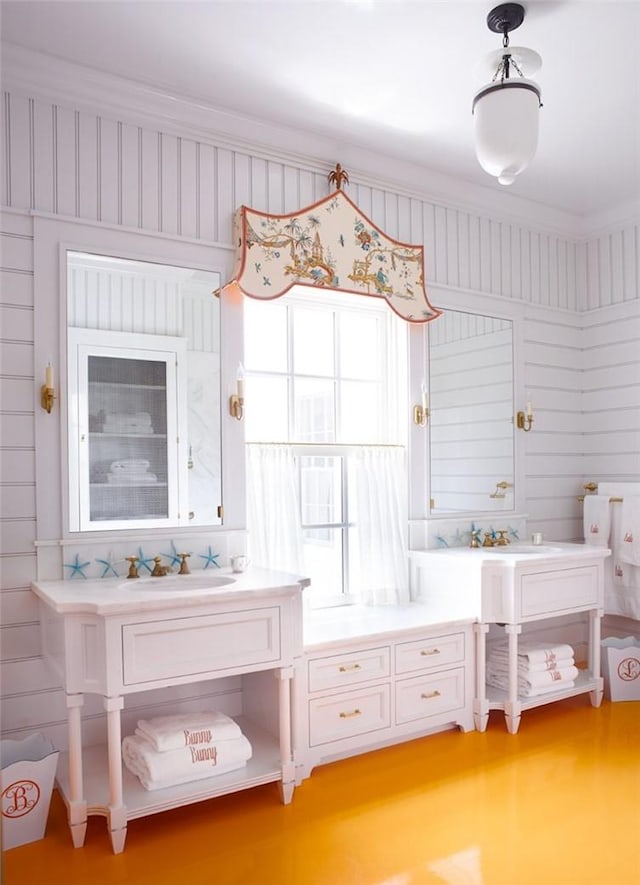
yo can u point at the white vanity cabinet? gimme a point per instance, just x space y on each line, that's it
514 588
128 450
117 637
408 673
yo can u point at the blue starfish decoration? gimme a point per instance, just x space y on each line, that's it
145 561
441 541
173 556
514 533
210 558
109 567
77 567
458 540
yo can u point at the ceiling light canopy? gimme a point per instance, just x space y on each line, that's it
506 111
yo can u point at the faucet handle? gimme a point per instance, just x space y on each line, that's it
133 568
184 568
488 540
502 539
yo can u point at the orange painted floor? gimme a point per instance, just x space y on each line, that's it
558 803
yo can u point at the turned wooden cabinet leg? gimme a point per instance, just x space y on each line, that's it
77 808
287 784
481 704
595 616
512 709
117 819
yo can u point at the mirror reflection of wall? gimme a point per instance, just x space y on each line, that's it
471 422
147 304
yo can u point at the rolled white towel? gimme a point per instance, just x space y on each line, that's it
188 729
158 770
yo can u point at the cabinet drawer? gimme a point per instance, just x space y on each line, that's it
183 647
348 669
431 652
555 591
349 714
429 695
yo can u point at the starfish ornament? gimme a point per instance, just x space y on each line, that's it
109 567
77 567
145 561
173 556
210 558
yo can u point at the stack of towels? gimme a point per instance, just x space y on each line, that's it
541 669
127 422
131 471
171 750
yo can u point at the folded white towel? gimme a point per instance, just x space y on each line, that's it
158 770
130 465
596 517
533 652
536 680
124 417
528 691
131 479
630 530
188 729
524 667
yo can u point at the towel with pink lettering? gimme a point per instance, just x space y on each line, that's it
629 536
533 656
172 767
187 729
596 516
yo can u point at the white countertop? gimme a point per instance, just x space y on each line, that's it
332 626
112 596
512 554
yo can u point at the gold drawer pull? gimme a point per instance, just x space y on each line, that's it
431 651
346 667
349 715
432 694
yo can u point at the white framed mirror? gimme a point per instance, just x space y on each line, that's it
143 358
473 356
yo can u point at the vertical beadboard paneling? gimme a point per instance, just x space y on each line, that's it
150 180
130 211
20 151
207 192
291 189
188 188
225 203
169 183
259 198
108 171
306 188
87 149
66 135
43 156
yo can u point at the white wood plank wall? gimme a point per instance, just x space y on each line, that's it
56 159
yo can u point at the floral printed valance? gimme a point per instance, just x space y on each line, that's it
329 245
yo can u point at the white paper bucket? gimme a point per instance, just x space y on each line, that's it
28 772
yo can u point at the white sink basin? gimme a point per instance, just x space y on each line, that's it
172 583
529 549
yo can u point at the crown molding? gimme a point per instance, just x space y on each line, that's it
40 76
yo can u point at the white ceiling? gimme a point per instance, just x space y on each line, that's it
394 76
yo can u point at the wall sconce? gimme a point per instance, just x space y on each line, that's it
524 420
236 400
421 412
47 391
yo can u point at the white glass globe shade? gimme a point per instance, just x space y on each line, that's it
506 127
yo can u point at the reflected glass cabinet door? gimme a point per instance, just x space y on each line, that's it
127 462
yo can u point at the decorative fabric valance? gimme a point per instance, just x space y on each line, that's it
329 245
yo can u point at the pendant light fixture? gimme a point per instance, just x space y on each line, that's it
506 111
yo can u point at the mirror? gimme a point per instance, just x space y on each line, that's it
143 356
471 387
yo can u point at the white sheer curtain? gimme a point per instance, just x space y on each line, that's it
381 570
273 511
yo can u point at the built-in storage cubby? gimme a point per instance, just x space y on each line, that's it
128 452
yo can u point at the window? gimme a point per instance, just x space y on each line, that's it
326 374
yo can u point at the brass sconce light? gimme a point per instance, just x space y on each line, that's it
236 400
421 412
524 420
47 391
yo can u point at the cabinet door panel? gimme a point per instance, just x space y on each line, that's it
429 652
348 669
